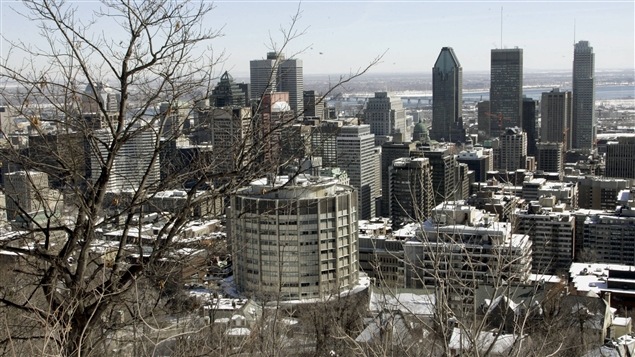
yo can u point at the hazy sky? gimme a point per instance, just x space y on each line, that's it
342 36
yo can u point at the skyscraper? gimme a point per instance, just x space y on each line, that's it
620 158
228 94
386 116
529 125
584 121
391 151
133 167
411 195
512 153
555 108
25 193
277 74
550 157
506 89
447 98
444 165
356 155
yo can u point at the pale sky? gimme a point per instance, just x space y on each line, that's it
342 36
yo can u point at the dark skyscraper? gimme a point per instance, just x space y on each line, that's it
447 98
506 89
391 151
584 121
529 125
556 117
228 94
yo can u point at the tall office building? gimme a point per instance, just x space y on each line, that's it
447 98
556 117
550 157
228 94
134 162
391 151
25 193
324 141
278 254
485 122
274 116
99 104
410 190
479 160
506 89
584 121
314 105
620 158
512 152
356 155
444 174
529 125
231 137
174 117
385 115
278 74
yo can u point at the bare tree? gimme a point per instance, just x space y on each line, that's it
101 103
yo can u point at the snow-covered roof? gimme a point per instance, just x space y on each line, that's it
406 302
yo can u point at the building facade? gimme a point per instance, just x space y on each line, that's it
357 156
294 240
551 231
228 94
512 151
550 157
447 98
134 164
25 193
620 158
556 117
461 247
608 237
506 89
391 151
385 115
583 99
278 74
529 125
410 195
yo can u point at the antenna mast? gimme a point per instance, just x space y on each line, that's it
501 27
574 30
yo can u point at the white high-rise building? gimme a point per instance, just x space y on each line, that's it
294 240
584 121
356 155
134 160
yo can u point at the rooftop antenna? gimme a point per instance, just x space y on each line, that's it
501 27
574 30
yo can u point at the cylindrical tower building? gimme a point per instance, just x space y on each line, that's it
294 239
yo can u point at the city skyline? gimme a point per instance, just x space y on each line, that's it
342 37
